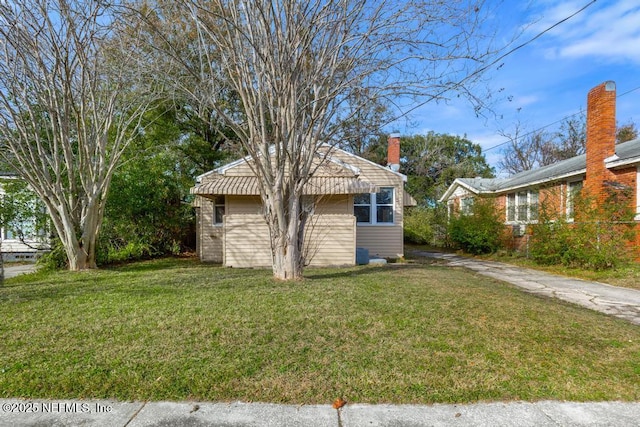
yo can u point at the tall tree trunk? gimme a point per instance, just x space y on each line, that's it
78 235
286 243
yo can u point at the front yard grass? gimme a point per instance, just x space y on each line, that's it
175 329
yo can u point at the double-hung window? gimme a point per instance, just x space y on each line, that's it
522 206
466 205
374 208
573 190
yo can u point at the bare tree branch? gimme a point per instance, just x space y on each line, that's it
296 66
67 110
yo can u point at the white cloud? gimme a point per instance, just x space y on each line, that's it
609 32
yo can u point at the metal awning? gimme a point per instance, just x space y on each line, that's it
249 186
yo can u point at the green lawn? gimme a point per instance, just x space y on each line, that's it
175 329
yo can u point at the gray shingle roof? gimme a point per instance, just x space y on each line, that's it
627 153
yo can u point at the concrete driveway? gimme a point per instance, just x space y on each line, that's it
15 270
613 300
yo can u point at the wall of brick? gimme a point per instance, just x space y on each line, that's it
601 137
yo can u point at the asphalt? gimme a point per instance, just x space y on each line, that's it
620 302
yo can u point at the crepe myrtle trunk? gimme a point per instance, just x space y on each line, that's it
286 220
79 236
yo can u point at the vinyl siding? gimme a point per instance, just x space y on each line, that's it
242 169
331 240
246 241
210 243
371 172
335 205
251 205
382 241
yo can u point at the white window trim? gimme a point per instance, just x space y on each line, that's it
516 206
637 218
224 204
569 201
373 211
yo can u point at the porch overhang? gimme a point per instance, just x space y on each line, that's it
250 186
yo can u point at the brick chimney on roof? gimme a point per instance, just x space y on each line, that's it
393 152
601 136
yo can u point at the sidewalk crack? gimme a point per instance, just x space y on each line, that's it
135 414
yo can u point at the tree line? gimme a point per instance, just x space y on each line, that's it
108 110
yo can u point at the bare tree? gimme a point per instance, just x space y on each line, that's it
626 132
525 150
570 140
530 150
296 67
67 111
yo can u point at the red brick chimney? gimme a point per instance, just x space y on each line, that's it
393 152
601 136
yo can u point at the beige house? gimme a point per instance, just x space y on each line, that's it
354 203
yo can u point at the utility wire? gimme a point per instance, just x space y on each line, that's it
495 61
554 123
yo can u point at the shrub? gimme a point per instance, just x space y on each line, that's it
598 239
55 259
418 225
132 251
549 241
479 232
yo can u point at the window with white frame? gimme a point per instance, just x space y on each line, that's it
218 210
374 208
511 207
638 194
522 206
466 205
573 190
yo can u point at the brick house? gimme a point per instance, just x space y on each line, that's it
605 167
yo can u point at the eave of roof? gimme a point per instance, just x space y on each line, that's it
250 186
627 154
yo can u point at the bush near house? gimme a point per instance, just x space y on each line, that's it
479 231
600 237
426 226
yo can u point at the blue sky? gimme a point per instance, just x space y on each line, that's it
549 79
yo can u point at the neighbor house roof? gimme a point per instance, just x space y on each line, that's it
627 153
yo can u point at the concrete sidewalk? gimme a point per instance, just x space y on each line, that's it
613 300
21 413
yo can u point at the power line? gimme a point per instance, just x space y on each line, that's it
554 123
495 61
